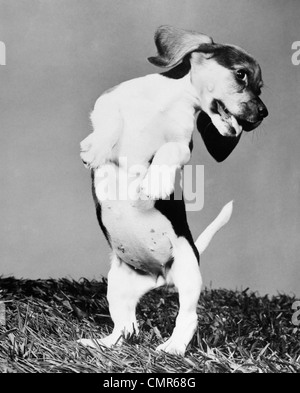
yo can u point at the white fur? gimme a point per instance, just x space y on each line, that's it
206 236
160 179
126 287
138 117
150 118
185 275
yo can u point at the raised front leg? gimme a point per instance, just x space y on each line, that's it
159 181
107 123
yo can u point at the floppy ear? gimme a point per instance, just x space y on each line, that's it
219 146
174 44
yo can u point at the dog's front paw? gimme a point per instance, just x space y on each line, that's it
173 347
92 152
159 182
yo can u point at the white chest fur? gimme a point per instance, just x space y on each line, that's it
152 110
155 110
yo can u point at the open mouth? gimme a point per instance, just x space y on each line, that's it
247 125
236 124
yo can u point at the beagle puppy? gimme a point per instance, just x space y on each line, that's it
142 136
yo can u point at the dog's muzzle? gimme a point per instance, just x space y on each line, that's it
220 146
253 113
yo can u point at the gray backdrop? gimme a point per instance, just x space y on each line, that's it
61 54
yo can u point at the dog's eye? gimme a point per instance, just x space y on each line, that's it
241 75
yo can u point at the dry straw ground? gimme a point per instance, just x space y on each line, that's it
239 332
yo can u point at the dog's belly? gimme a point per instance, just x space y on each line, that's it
141 237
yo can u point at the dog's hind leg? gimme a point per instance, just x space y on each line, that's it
185 275
125 288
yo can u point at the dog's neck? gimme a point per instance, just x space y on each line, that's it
183 86
183 75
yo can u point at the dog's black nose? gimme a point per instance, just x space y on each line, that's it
263 111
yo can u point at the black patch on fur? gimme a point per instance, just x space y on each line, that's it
179 71
219 146
228 56
231 57
174 211
99 210
191 145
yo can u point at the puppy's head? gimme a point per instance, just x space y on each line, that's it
227 79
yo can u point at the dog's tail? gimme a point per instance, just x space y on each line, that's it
206 236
